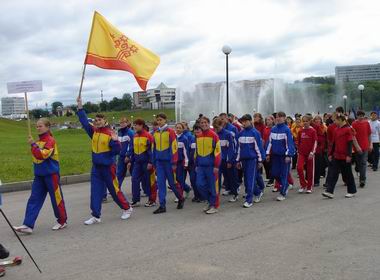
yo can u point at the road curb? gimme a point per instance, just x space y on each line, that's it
27 185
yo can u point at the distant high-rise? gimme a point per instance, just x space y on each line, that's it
357 73
12 106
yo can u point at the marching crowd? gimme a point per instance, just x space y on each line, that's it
224 156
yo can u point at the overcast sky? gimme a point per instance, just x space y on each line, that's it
47 40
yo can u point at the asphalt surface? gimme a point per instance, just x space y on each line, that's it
303 237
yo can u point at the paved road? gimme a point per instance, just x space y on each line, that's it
304 237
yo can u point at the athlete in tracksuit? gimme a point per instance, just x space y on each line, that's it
208 158
183 157
46 180
307 145
190 138
165 157
227 166
125 135
105 147
280 150
236 175
250 157
192 166
141 159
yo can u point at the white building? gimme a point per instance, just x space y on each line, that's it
13 107
140 99
357 73
161 97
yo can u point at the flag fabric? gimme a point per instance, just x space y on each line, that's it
108 48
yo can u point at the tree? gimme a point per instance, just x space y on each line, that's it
104 106
54 106
39 113
90 107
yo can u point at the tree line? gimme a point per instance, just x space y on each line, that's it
116 104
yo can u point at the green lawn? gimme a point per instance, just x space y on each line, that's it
73 146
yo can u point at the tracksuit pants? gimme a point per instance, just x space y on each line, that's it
165 172
302 161
250 177
208 185
121 170
147 178
280 171
361 165
42 185
105 175
229 176
336 167
374 156
319 165
193 181
181 177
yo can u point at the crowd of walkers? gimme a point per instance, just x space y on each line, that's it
227 155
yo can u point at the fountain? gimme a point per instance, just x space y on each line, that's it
263 95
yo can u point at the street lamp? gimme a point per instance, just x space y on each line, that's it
345 103
227 50
361 88
330 107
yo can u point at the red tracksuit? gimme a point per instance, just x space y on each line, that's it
307 145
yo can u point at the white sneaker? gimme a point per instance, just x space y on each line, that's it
247 205
206 208
211 210
126 213
23 229
176 200
349 195
280 198
225 193
259 197
234 198
328 195
92 221
309 191
290 187
58 226
301 190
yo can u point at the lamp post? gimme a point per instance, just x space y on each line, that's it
345 103
361 89
330 107
227 50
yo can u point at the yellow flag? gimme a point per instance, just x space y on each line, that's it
108 48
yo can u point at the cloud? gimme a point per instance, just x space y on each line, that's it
290 39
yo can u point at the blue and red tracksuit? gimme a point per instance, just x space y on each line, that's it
103 173
192 173
208 157
46 180
141 156
227 145
279 146
250 153
238 176
125 136
165 157
183 161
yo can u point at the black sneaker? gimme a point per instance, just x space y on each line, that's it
160 210
180 204
3 252
196 199
374 169
362 185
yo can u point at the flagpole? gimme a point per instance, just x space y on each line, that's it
81 82
27 114
84 64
